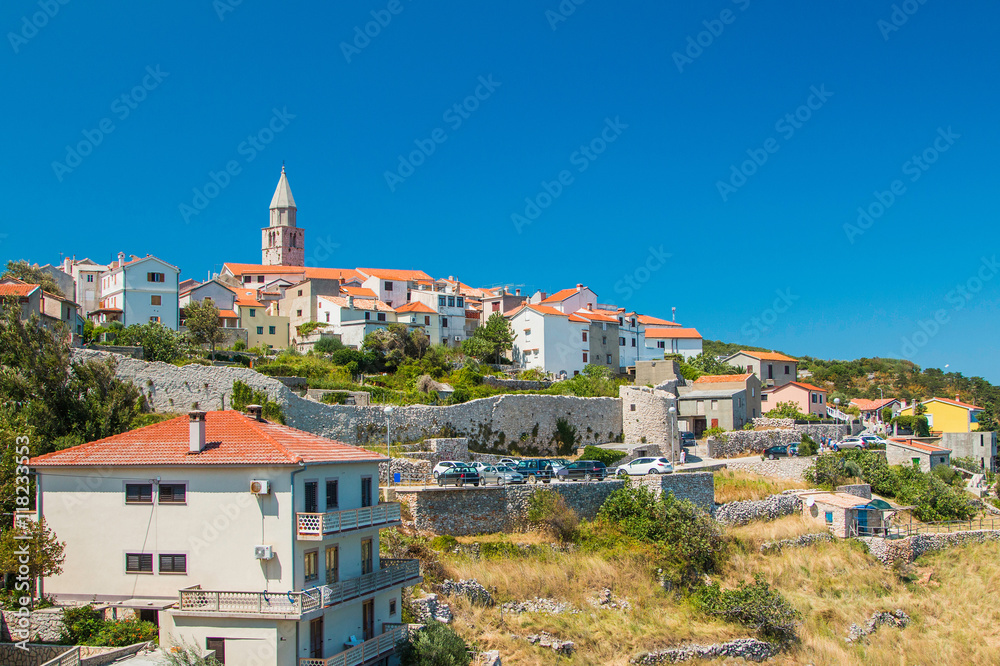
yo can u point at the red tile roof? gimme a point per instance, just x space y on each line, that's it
231 438
673 333
561 296
767 356
955 403
228 314
719 379
597 315
311 272
920 446
359 303
395 274
358 291
655 321
17 289
866 405
808 387
416 306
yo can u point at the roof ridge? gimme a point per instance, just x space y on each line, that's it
256 425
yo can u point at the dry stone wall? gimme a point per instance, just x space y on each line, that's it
505 508
526 424
742 442
11 655
910 548
46 625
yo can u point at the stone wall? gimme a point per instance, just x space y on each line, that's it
46 625
645 415
862 490
526 424
516 384
785 468
740 442
505 508
771 508
11 655
361 398
910 548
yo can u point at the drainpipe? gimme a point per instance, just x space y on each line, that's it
302 468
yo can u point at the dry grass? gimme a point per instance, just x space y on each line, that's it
733 486
788 527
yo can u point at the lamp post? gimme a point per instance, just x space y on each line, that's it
673 433
388 450
836 401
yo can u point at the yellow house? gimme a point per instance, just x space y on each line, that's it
944 415
261 325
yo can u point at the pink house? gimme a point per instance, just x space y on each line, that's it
808 398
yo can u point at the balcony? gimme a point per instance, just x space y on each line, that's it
317 526
376 648
293 605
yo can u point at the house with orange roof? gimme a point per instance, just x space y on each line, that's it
602 337
232 533
500 299
53 311
566 300
260 275
871 410
141 290
418 315
659 341
353 318
920 453
550 340
393 285
774 369
263 325
807 398
299 302
946 415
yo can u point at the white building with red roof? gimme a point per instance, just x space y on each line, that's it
550 340
141 290
233 533
353 318
567 300
911 451
773 368
393 285
670 340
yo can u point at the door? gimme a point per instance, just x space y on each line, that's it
316 638
312 495
219 645
368 619
862 522
366 556
366 491
332 564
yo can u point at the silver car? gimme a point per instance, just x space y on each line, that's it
851 443
499 475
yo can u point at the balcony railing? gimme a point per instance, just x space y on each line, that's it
316 526
393 573
375 648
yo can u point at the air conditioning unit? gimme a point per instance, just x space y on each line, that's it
263 552
260 487
458 338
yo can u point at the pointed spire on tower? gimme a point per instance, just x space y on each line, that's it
283 193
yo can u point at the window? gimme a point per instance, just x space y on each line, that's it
584 357
366 491
366 556
585 336
632 408
368 316
821 398
298 313
260 330
814 398
176 564
219 645
604 339
253 312
392 607
155 300
609 359
172 493
311 499
154 320
260 278
715 404
138 493
270 330
621 342
770 371
310 562
427 320
90 278
461 302
388 286
763 397
332 564
787 371
451 301
155 277
661 344
380 316
633 342
633 323
138 563
495 307
247 279
332 495
444 322
829 517
300 292
328 317
442 301
621 322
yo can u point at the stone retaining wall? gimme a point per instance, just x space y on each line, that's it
742 442
35 655
785 468
525 424
888 551
516 384
743 513
46 625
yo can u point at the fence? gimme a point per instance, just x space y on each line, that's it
69 658
942 527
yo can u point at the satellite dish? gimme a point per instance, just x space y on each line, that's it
810 501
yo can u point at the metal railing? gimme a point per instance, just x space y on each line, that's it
69 658
380 646
392 573
942 527
315 526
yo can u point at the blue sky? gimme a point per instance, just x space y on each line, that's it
623 123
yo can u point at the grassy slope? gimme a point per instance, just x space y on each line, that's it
833 585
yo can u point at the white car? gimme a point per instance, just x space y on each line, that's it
851 443
641 466
480 466
510 462
443 465
872 440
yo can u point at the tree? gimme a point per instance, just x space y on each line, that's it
436 644
328 345
785 410
202 320
489 342
23 271
45 553
158 342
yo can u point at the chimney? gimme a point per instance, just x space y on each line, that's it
255 412
121 258
958 398
451 278
590 306
579 287
517 292
673 314
196 443
67 265
350 302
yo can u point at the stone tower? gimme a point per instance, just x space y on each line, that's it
282 243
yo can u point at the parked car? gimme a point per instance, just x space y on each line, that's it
583 470
443 465
641 466
500 475
687 438
510 462
872 440
458 475
478 465
775 452
850 443
557 464
535 470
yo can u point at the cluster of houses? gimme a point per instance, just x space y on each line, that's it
266 304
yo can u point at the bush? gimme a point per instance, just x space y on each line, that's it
328 345
243 395
606 456
125 632
83 625
548 509
808 446
968 464
80 623
436 644
714 432
754 605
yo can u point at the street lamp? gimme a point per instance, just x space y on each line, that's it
388 451
836 416
673 431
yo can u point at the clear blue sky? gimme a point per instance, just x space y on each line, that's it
679 124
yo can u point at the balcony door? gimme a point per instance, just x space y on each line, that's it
368 619
316 638
366 557
312 497
366 491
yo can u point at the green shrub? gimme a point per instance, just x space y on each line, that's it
444 542
548 510
753 605
436 644
328 345
808 446
125 632
714 432
968 464
80 624
607 456
243 395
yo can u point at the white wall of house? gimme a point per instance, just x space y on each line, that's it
450 306
392 292
655 348
221 296
551 343
143 300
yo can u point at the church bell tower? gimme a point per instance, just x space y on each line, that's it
282 243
